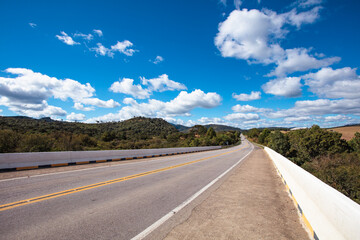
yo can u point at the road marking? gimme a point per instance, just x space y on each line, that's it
100 184
159 222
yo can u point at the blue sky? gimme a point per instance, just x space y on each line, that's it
249 63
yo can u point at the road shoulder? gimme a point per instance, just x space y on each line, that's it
251 204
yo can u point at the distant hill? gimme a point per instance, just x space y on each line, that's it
216 127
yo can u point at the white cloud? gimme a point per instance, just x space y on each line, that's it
33 25
252 34
255 36
299 60
319 107
207 121
162 83
247 109
338 83
122 47
87 37
242 117
337 118
182 105
246 35
66 39
99 103
237 4
298 119
101 50
126 86
247 97
74 117
98 32
81 107
157 60
298 19
185 102
286 87
27 93
308 3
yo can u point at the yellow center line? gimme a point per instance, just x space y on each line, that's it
100 184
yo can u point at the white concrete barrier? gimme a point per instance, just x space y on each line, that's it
330 214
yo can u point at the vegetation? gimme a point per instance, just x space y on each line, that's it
23 134
321 152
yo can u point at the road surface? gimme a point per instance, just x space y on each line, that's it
116 202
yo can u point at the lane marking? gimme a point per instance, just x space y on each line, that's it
159 222
104 183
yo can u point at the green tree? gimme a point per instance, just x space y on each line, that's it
211 133
263 137
279 142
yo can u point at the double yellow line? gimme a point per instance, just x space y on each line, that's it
100 184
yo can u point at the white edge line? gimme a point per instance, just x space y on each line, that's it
159 222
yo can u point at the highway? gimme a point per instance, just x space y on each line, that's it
117 202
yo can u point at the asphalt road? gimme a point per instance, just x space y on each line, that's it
116 202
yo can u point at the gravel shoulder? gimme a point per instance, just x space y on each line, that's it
251 204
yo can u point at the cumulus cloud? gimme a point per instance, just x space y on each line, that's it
334 83
127 86
66 39
247 109
162 83
81 107
182 105
299 60
157 60
247 97
74 117
242 117
122 47
98 32
286 87
255 36
27 93
252 34
246 34
159 84
87 37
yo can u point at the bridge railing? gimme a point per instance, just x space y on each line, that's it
327 213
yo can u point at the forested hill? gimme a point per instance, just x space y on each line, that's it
135 128
23 134
216 127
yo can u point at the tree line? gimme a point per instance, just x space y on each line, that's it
319 151
21 134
